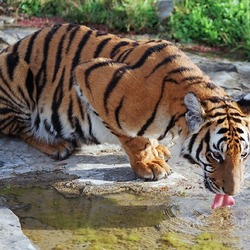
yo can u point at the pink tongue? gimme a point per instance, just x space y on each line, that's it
222 200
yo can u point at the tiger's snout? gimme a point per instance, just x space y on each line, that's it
228 180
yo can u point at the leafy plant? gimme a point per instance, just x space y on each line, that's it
220 23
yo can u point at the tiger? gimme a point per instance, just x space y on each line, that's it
69 85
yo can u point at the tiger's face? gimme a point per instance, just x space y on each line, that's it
223 160
220 143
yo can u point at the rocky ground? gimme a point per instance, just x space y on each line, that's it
97 169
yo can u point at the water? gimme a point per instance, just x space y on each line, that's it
129 221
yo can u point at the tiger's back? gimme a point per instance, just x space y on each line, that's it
96 87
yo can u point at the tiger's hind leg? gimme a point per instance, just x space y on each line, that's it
18 104
147 157
59 150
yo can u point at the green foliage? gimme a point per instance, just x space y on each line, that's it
224 23
220 23
123 15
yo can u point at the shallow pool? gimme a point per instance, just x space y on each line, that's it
129 221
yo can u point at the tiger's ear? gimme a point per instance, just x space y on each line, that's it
195 113
244 102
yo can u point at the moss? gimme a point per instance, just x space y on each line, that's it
133 236
175 240
204 241
207 241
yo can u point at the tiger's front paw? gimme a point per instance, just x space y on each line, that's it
155 169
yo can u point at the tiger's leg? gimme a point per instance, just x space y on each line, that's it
147 157
18 104
59 150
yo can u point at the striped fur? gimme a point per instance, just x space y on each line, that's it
69 84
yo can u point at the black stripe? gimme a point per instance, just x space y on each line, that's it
80 47
29 84
77 56
170 80
152 117
101 46
149 52
4 111
179 70
12 62
72 36
207 140
217 114
191 143
237 120
163 63
118 74
115 50
218 107
239 130
192 78
221 120
235 114
222 139
223 131
199 149
211 85
122 57
37 121
117 113
190 159
70 112
93 138
170 126
30 46
7 85
78 129
58 57
93 67
43 69
15 47
7 122
24 98
57 100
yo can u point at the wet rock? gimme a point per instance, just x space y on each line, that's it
165 8
11 36
11 236
232 76
6 20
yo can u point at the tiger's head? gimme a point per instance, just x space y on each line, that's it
218 139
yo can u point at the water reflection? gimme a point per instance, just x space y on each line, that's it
129 221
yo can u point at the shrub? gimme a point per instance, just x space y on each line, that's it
220 23
123 15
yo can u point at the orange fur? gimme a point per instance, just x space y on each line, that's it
93 87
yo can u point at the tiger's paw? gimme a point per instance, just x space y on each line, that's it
62 150
163 152
147 157
155 169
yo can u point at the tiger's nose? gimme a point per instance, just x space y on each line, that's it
231 188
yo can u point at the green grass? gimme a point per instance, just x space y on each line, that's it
121 15
223 23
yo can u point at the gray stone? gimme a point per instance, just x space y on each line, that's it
13 35
165 8
11 236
